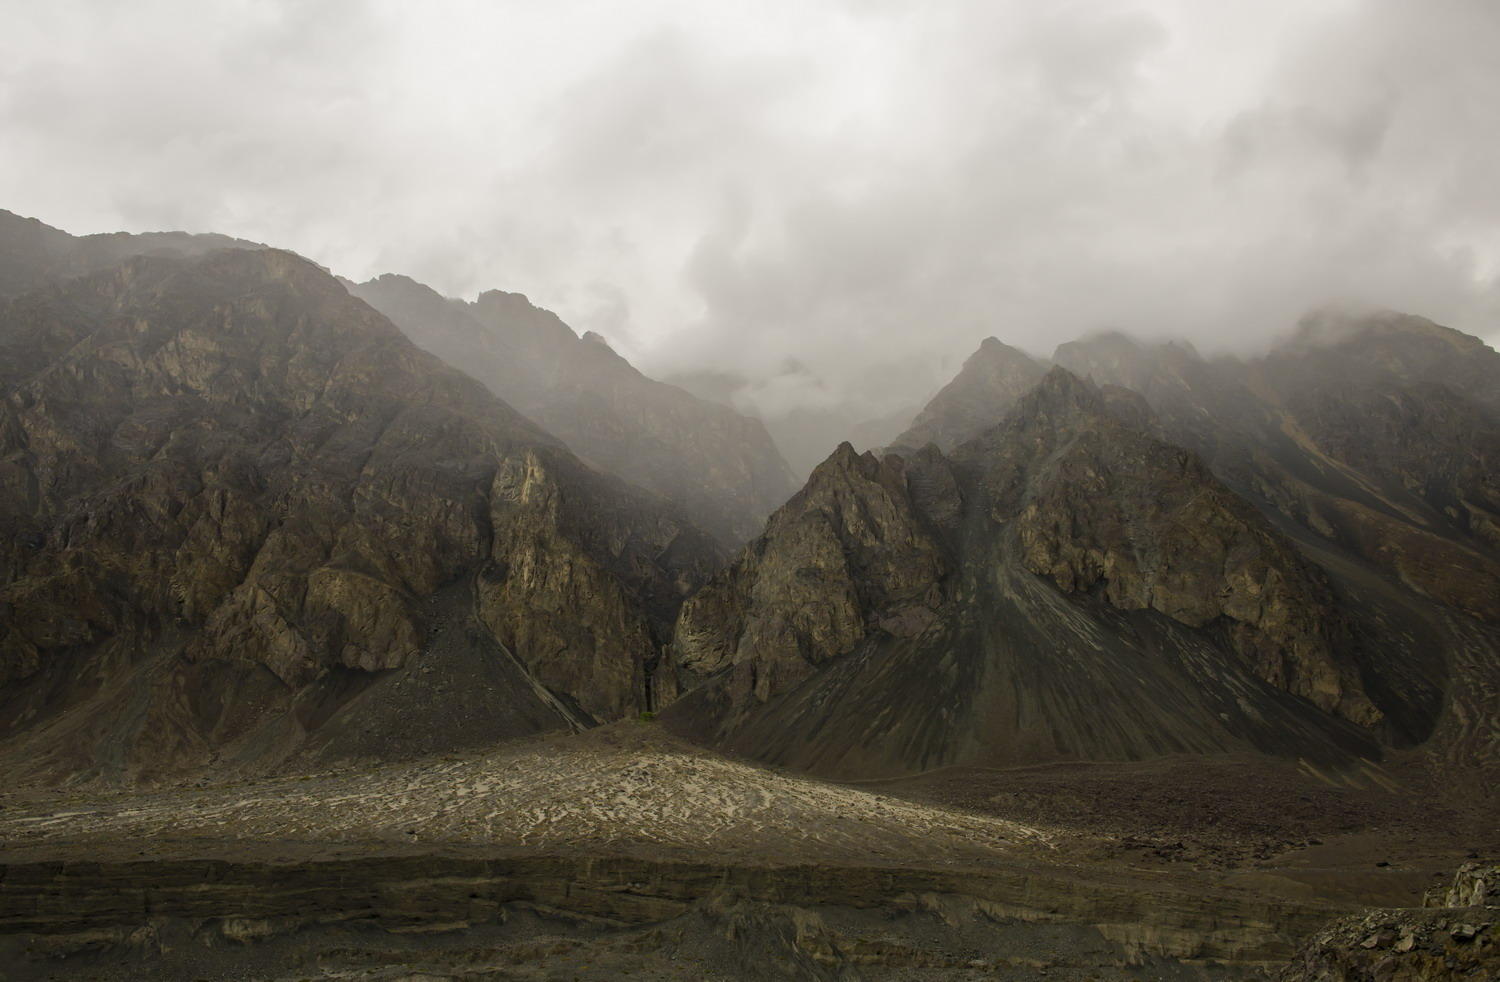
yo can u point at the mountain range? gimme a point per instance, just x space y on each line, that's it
255 516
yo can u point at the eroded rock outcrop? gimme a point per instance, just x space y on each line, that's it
1453 938
849 555
910 611
1098 505
238 477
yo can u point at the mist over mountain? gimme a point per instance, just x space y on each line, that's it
722 469
805 430
252 527
933 560
862 188
825 491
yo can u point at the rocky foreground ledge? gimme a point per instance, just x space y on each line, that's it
1454 937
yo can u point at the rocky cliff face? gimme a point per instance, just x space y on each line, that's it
1411 404
1369 443
1099 505
718 467
235 494
1064 585
1456 940
849 556
1375 434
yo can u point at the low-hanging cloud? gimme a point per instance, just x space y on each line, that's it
834 202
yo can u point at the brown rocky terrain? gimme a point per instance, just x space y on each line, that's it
719 468
1453 937
319 658
1035 596
234 496
1368 440
626 853
1376 433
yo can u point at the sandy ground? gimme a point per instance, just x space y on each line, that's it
629 790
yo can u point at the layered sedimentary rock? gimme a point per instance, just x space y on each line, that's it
234 496
923 923
718 467
1066 584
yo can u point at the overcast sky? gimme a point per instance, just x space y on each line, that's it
838 200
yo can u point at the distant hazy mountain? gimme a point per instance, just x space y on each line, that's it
245 519
990 382
720 467
805 435
33 253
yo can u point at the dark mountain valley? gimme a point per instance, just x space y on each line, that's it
349 630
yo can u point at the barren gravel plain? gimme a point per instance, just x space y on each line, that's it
624 852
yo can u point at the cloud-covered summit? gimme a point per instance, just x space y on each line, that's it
862 190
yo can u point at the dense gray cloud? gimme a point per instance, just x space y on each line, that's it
835 201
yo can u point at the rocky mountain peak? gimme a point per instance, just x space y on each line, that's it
844 460
25 244
515 311
1384 349
996 352
1126 361
33 253
399 282
983 582
1060 391
849 555
1099 502
991 380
